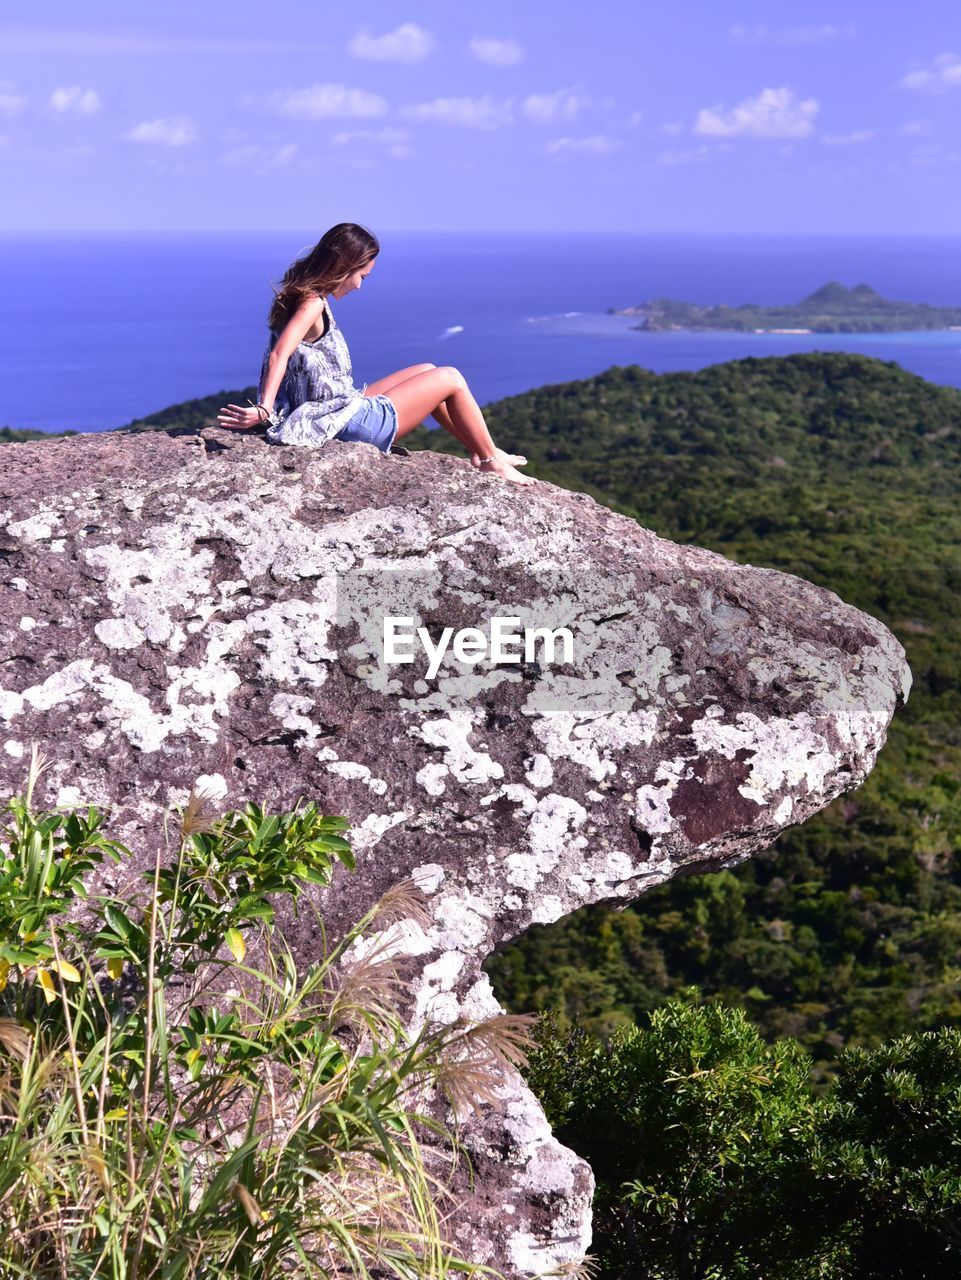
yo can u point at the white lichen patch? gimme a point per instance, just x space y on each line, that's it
402 938
462 761
540 771
437 998
515 792
463 919
119 633
611 867
652 802
547 908
212 785
432 778
128 711
785 752
148 585
554 733
428 877
550 829
355 772
292 712
782 814
290 635
592 742
36 528
521 871
373 829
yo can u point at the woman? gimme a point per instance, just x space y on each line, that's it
306 395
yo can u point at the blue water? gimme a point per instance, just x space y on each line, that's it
97 330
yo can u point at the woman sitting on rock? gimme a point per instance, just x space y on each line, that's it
306 395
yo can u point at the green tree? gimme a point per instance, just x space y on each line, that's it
698 1134
887 1157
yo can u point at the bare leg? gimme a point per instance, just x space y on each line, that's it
421 394
441 414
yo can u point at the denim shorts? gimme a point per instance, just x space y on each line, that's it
375 423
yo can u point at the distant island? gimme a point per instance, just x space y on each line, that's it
831 309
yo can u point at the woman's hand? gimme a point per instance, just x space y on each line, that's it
238 418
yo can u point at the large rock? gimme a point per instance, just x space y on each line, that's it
178 606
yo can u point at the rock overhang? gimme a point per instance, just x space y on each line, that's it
178 606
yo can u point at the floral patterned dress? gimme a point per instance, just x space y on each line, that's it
317 396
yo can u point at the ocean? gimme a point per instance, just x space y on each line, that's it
99 329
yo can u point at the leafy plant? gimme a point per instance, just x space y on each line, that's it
716 1160
168 1109
695 1130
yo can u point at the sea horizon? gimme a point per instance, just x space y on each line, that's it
149 319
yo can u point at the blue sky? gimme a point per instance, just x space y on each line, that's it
553 115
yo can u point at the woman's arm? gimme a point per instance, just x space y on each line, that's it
301 322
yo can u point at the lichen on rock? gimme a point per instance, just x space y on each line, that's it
174 609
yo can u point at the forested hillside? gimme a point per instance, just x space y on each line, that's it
846 471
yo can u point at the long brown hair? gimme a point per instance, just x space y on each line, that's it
338 252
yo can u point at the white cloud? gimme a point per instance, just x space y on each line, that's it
635 120
672 128
943 73
598 145
46 40
847 139
173 131
915 128
764 34
387 135
934 154
774 113
328 101
473 113
499 53
5 140
12 102
548 108
258 157
74 99
692 155
395 140
408 43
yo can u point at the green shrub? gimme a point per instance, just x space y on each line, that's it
716 1160
888 1155
168 1108
694 1128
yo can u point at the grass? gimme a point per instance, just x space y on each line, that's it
170 1109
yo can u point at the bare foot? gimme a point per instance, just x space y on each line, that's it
498 467
515 459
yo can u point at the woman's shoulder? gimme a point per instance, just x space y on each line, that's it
309 308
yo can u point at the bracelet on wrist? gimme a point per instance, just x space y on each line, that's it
265 415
